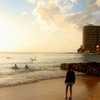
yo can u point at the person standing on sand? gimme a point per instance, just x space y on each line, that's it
69 80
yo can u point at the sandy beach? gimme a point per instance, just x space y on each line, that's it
85 88
96 95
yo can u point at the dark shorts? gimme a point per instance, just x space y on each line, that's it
69 84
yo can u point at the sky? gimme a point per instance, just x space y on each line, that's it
45 25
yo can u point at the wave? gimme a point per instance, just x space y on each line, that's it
29 81
8 84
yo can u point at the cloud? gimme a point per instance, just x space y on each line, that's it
74 1
65 1
97 17
69 4
24 13
47 11
36 1
51 14
31 1
98 3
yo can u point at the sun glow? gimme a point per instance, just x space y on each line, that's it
8 34
3 34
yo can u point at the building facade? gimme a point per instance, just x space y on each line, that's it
91 38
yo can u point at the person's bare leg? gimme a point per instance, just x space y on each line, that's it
66 91
66 94
70 94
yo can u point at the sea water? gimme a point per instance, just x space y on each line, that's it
41 65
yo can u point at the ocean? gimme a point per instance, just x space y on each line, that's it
41 66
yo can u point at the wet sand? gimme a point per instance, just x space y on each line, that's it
53 89
96 95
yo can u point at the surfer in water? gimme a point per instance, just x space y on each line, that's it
26 67
15 67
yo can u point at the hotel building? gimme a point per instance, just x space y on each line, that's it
91 38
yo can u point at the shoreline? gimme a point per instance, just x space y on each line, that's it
30 82
52 89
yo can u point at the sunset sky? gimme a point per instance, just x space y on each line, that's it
45 25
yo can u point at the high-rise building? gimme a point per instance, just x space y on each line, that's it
91 37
